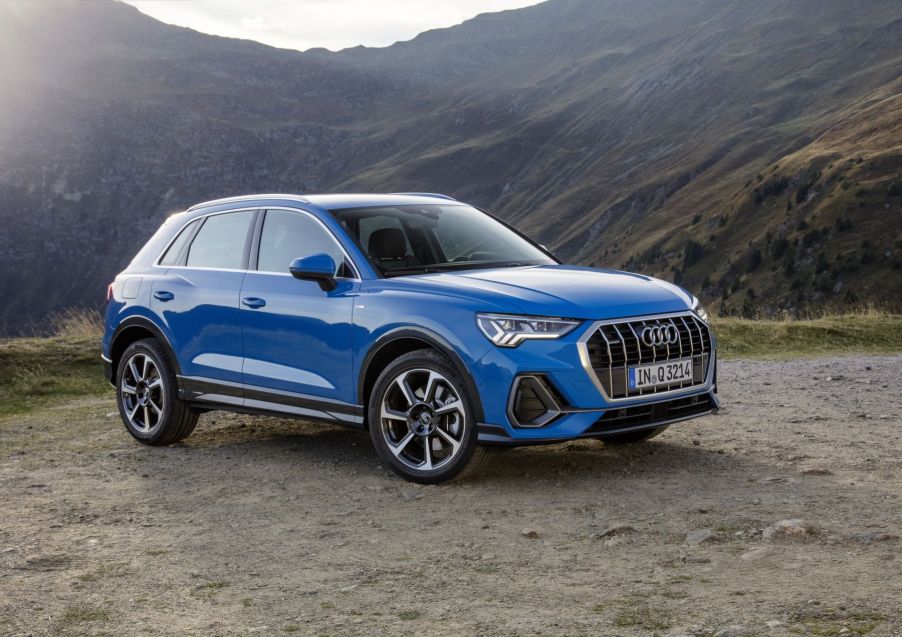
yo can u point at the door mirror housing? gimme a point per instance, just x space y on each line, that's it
317 267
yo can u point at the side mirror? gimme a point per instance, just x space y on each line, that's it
317 267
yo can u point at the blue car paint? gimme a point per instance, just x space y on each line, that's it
311 344
300 341
203 319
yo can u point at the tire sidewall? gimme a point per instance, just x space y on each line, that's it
422 359
147 348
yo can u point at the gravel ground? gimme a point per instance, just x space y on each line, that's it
273 527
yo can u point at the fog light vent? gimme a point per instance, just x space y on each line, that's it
533 402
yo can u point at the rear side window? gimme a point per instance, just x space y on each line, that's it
220 241
290 235
172 254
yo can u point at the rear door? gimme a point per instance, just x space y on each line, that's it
297 337
198 300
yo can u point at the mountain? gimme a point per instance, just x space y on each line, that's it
750 151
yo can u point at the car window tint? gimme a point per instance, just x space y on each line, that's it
457 241
369 225
291 235
402 239
171 256
220 241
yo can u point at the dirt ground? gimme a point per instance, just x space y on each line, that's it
273 527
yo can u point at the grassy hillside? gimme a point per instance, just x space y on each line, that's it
820 225
37 372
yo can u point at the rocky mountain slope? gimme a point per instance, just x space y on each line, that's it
750 151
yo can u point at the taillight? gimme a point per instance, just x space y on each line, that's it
110 289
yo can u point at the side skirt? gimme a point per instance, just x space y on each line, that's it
206 393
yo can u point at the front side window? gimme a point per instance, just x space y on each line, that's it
220 241
415 239
291 235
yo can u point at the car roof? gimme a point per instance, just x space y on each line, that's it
336 201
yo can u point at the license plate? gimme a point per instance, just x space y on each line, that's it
658 374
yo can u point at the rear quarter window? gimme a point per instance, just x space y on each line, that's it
220 241
174 251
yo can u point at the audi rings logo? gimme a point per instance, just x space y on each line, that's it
659 335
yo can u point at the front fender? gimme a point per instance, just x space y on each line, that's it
434 339
382 317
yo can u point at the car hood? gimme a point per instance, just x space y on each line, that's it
561 290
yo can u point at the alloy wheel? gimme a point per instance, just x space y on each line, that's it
142 393
423 419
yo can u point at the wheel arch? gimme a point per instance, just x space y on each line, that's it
401 341
134 329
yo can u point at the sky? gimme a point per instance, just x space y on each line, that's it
333 24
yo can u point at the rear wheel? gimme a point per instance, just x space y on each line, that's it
147 393
421 419
632 437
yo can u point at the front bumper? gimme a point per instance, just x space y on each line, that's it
614 421
586 410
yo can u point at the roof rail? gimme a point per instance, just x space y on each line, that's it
424 194
216 202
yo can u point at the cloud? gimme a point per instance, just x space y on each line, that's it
333 24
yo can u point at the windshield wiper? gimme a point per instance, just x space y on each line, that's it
517 264
446 267
423 269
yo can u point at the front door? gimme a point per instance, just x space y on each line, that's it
297 336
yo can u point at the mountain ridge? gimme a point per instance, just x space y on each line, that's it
603 129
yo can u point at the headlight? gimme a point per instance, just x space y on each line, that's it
505 330
698 309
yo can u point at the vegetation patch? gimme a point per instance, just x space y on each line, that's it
870 333
103 572
76 614
409 615
634 611
643 616
827 621
37 372
208 590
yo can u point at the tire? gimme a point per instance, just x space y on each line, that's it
632 437
147 396
427 432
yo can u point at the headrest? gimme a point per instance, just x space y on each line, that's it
388 243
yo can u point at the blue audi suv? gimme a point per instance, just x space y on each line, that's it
424 320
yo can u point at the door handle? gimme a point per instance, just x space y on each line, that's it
253 302
163 295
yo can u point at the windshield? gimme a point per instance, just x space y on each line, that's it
416 239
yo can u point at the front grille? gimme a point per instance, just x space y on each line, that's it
615 347
645 415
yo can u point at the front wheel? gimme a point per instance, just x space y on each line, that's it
421 419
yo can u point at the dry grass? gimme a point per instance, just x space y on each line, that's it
77 323
36 372
864 332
